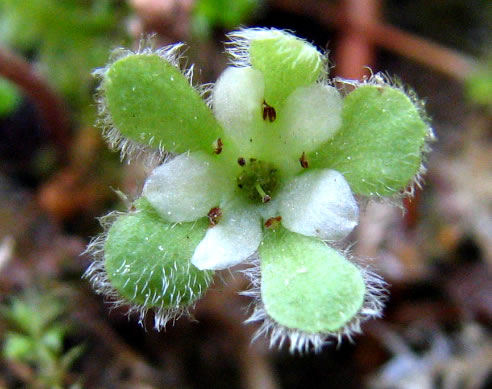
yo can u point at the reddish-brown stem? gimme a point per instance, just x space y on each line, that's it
354 51
442 59
51 108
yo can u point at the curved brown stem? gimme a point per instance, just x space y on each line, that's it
449 62
51 107
354 51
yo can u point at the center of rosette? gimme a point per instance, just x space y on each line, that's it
258 179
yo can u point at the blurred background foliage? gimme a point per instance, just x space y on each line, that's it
57 176
208 15
67 39
479 84
10 97
35 336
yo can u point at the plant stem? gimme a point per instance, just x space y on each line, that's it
449 62
50 106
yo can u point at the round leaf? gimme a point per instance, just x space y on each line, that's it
306 285
286 62
379 147
148 260
152 103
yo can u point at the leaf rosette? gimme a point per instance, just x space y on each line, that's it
269 170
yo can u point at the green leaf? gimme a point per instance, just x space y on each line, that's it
379 147
33 312
10 97
147 259
286 62
18 347
22 315
479 84
52 339
68 359
306 285
152 103
223 13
